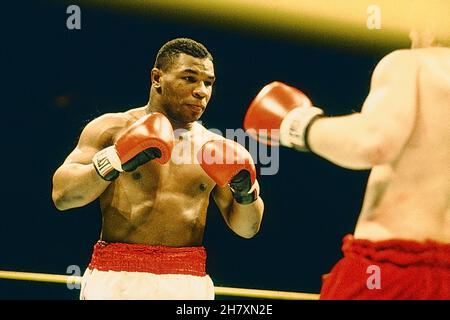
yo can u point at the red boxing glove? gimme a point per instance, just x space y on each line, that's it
151 137
227 162
281 114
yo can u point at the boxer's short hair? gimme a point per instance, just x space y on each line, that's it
170 51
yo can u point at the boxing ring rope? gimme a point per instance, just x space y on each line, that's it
220 291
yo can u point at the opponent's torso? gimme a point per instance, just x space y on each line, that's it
160 204
409 198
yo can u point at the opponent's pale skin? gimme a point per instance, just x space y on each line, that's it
403 134
156 204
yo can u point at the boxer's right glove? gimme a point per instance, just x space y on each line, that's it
151 137
281 114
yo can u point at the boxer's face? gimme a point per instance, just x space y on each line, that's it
186 87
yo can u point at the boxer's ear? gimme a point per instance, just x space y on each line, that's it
155 77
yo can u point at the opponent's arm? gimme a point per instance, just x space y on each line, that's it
377 134
237 191
357 141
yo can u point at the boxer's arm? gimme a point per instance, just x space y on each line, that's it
378 133
75 182
243 219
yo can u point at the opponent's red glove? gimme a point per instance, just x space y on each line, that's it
151 137
227 162
281 107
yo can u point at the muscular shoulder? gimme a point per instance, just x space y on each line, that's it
211 134
100 131
206 134
401 56
397 63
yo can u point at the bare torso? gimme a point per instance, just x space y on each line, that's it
409 198
160 204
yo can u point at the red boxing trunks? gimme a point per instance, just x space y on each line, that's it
145 258
388 270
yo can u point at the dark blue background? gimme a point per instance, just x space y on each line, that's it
55 80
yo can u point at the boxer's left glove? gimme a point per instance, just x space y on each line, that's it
229 163
151 137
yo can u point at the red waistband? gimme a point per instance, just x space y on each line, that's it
146 258
400 252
